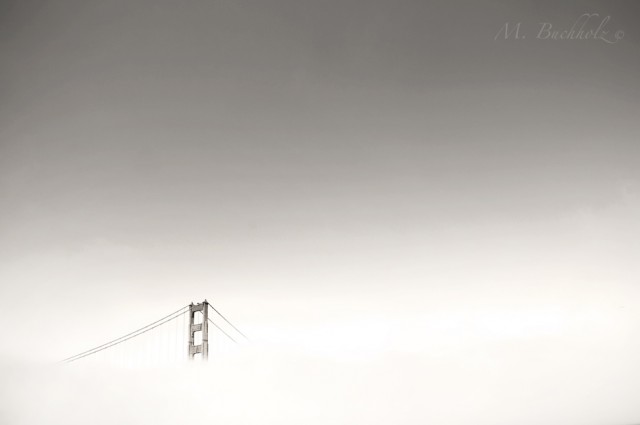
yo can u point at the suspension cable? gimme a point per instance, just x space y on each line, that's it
126 337
221 330
225 319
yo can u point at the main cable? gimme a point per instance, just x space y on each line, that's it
221 330
78 356
125 337
132 336
225 319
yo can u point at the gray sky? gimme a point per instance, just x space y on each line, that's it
381 191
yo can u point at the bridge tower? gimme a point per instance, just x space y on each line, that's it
203 327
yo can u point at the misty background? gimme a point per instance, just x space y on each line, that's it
412 220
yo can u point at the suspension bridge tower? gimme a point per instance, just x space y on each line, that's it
202 327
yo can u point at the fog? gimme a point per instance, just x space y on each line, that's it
561 376
412 219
